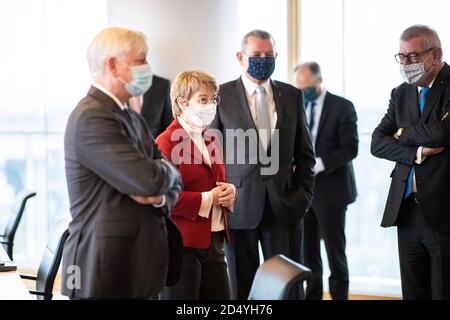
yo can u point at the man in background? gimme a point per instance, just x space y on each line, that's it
155 105
332 123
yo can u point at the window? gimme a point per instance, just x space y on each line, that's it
44 75
355 42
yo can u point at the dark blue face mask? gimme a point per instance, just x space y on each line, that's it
261 68
310 94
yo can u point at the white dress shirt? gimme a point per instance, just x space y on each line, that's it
217 223
319 166
250 88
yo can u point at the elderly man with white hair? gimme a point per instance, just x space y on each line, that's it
121 188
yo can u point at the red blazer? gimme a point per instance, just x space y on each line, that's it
197 177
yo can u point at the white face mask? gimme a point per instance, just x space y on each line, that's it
414 73
141 81
200 115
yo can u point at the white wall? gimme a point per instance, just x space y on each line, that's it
185 34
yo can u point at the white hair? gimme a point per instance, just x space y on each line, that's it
114 42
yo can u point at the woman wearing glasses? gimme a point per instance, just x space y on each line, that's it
200 212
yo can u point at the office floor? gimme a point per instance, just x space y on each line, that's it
58 296
326 296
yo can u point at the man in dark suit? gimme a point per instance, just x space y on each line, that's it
273 171
332 123
120 187
414 134
156 106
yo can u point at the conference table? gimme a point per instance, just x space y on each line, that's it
11 285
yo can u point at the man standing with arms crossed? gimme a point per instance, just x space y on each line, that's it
120 187
414 133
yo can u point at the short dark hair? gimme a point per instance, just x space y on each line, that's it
260 34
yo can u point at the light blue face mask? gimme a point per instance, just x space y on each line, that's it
141 80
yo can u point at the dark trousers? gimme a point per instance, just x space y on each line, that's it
323 221
424 255
204 274
243 251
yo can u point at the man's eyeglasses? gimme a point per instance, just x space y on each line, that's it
412 57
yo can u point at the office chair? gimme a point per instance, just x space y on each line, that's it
276 278
7 238
50 262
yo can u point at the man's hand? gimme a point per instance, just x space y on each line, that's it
398 134
228 194
157 200
427 152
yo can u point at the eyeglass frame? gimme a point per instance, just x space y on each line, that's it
216 99
408 56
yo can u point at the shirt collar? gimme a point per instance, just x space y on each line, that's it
250 86
112 96
431 83
321 98
429 86
188 128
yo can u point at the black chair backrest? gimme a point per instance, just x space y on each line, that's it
276 278
48 268
13 222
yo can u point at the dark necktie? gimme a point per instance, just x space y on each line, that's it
138 130
423 95
312 113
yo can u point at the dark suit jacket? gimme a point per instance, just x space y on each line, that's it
120 246
290 188
156 107
433 175
337 145
197 177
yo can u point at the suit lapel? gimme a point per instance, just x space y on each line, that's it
412 100
143 134
438 88
104 98
279 101
241 100
325 111
109 103
136 128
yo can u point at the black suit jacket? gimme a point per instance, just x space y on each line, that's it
120 247
426 129
337 145
290 188
156 107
